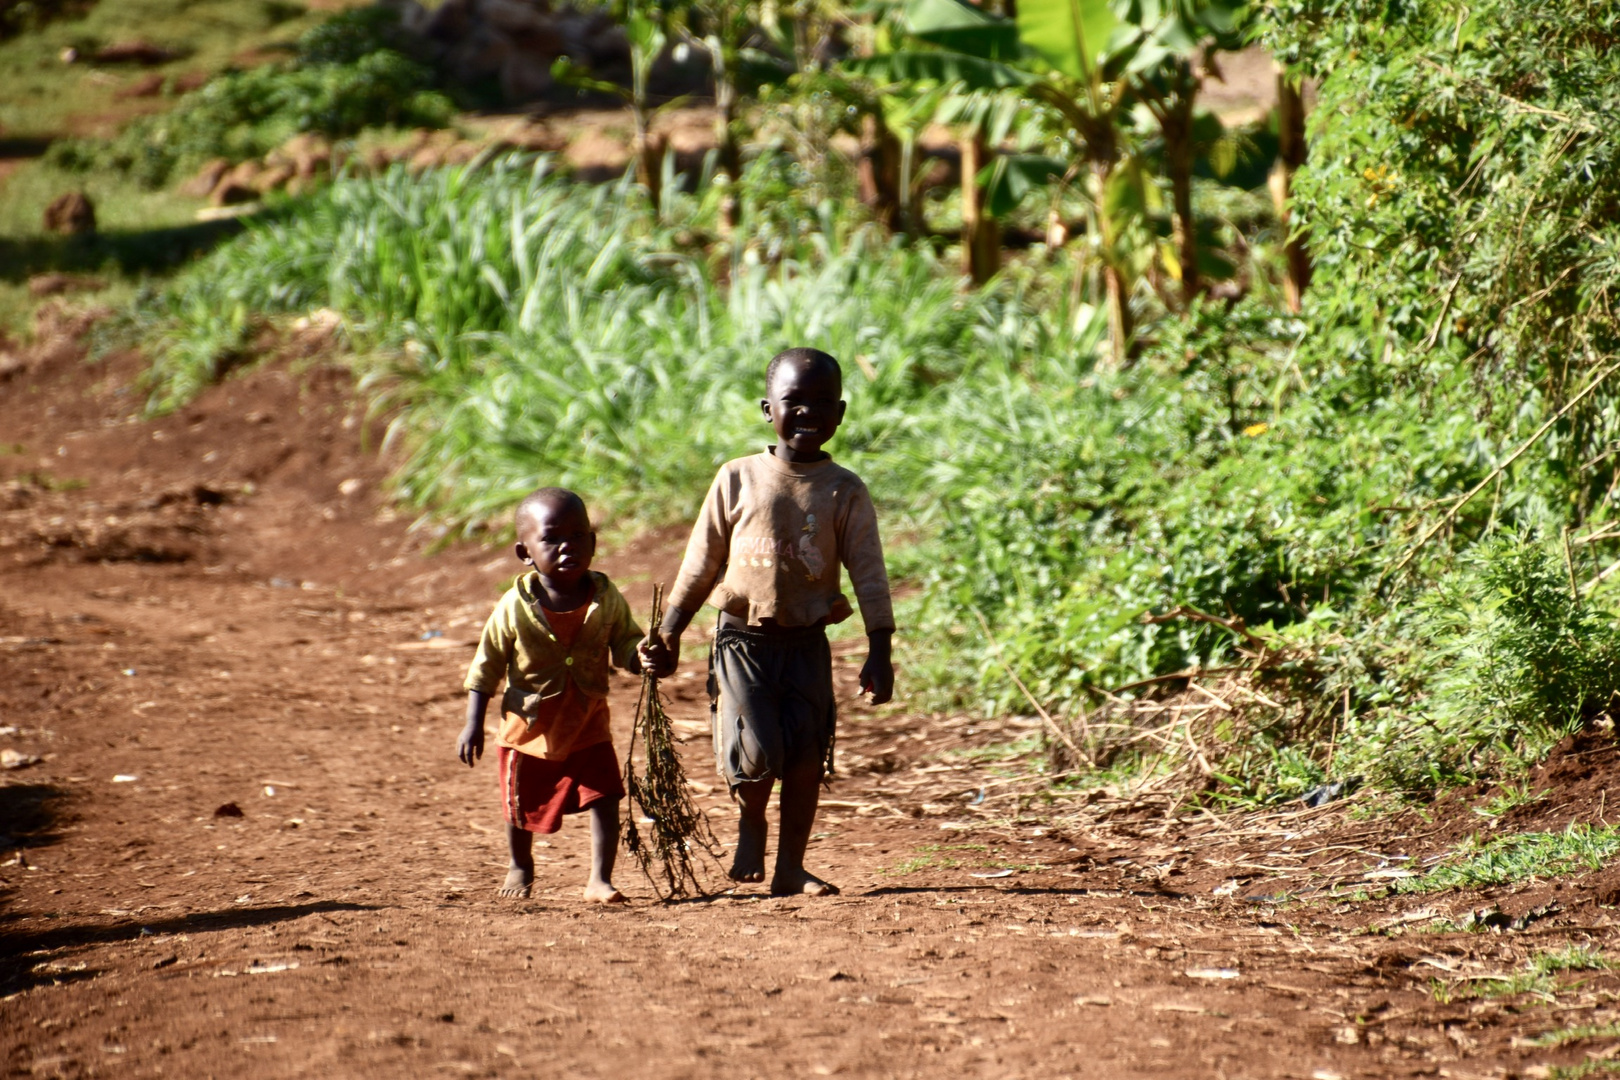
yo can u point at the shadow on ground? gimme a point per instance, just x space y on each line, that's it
138 252
22 965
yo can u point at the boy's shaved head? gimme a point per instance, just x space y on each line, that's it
805 359
548 498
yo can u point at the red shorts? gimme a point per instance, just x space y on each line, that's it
536 793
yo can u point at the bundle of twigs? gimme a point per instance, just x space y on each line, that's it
679 829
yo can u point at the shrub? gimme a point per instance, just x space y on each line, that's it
345 78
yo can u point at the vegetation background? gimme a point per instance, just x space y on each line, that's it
1252 455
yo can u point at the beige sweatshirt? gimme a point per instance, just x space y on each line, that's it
769 541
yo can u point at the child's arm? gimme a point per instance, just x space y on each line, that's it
484 675
701 567
470 747
861 549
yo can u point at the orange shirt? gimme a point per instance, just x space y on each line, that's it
565 723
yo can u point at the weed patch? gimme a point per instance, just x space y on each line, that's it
1508 859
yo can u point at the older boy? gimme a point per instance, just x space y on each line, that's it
552 637
766 550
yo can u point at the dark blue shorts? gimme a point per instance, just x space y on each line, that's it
771 701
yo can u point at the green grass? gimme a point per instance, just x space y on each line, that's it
936 857
1520 982
1536 978
1523 857
1510 798
1582 1070
143 237
45 97
1020 747
1571 958
1581 1033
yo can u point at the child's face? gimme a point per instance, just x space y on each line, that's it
558 541
805 406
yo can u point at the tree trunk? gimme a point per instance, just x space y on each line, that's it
1177 128
981 233
649 151
880 174
1104 153
1120 327
1290 156
730 152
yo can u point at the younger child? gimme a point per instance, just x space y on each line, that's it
766 550
551 638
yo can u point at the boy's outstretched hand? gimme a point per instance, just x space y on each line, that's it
877 674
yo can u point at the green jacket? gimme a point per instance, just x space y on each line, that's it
518 644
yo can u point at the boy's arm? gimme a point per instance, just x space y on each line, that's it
861 549
470 747
484 674
705 558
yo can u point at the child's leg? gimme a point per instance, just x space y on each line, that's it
604 848
520 877
801 794
748 864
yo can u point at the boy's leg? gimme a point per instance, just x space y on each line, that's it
801 794
520 877
604 848
748 864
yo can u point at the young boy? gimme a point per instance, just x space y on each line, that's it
766 551
551 638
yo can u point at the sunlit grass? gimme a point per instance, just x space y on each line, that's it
1511 797
1580 1033
1506 859
44 96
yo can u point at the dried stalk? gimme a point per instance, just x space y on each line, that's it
679 828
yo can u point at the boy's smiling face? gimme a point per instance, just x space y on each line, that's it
805 405
556 538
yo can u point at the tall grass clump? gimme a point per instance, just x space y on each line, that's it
542 330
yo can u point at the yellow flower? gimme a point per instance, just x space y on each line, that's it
1256 430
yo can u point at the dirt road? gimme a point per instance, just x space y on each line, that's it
248 848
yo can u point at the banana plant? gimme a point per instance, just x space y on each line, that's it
646 30
1068 59
1178 41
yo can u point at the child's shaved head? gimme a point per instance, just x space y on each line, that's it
802 358
548 498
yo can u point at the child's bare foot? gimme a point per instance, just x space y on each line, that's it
603 892
800 883
518 882
748 864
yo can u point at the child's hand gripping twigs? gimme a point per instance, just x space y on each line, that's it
662 794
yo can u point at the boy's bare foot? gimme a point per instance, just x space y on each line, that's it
801 883
518 882
748 864
603 892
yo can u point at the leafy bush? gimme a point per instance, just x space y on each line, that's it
345 78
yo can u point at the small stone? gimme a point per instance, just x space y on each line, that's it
14 759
